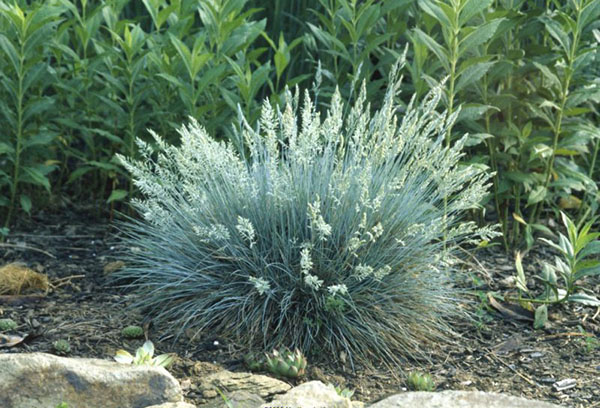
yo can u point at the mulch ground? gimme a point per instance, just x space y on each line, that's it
498 352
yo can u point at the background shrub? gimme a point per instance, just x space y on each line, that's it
318 234
95 75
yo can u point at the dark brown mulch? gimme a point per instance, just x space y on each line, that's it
494 353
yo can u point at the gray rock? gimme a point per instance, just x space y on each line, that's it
458 399
34 380
228 382
310 394
173 405
237 399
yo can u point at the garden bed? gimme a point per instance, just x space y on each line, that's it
494 353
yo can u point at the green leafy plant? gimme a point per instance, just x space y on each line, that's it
562 106
62 405
590 341
285 363
459 54
7 325
420 382
61 347
144 356
25 75
342 391
132 332
319 232
578 259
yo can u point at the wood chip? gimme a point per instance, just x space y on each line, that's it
565 384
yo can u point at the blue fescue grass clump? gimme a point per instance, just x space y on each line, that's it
322 234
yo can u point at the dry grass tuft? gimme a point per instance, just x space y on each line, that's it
16 279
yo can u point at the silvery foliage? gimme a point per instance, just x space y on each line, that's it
322 234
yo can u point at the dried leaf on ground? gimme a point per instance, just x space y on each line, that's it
7 340
511 311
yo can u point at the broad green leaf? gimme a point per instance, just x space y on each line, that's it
478 36
590 13
541 317
473 111
593 248
436 12
152 8
549 75
477 138
40 139
116 195
6 148
536 195
553 245
434 47
184 54
557 32
25 203
584 239
34 176
592 271
585 299
11 52
542 228
520 280
472 74
571 228
470 8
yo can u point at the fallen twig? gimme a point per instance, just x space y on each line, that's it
65 281
2 244
514 370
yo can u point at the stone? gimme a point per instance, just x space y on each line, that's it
237 399
34 380
228 382
458 399
173 405
310 394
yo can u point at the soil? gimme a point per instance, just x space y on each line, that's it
499 351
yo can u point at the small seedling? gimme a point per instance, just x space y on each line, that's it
420 382
132 332
578 251
343 392
62 405
591 342
61 347
285 363
143 356
7 325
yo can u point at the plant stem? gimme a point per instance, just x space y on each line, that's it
559 116
19 135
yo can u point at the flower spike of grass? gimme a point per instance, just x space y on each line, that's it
323 234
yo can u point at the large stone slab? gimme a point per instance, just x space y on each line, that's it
458 399
228 382
38 380
310 394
